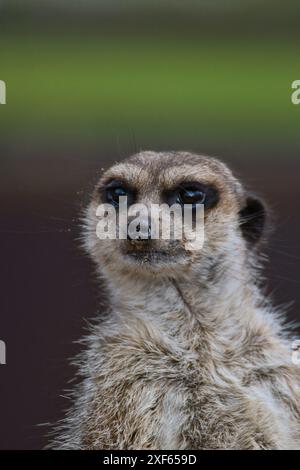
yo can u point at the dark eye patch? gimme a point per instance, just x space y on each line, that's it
192 193
113 189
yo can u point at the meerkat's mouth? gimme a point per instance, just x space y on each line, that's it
153 255
148 256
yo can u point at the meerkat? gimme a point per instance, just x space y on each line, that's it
190 353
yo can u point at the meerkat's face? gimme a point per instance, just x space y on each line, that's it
232 221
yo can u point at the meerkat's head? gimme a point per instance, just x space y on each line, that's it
233 220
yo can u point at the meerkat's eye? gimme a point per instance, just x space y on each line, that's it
190 195
116 189
193 193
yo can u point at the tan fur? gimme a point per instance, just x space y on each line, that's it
190 354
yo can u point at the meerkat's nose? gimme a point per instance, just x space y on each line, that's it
140 232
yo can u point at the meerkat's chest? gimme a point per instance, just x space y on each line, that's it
178 404
172 399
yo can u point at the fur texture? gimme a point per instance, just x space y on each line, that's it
190 354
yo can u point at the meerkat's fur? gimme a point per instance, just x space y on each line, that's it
190 354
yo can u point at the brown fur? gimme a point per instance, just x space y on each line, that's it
190 355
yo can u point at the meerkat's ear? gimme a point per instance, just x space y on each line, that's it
253 219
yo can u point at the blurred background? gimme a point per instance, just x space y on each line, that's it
90 82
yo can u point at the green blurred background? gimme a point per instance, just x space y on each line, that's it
90 82
172 73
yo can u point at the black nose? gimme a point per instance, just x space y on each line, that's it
141 233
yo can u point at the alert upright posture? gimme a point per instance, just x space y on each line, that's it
190 354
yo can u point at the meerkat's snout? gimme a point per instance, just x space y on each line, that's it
141 232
